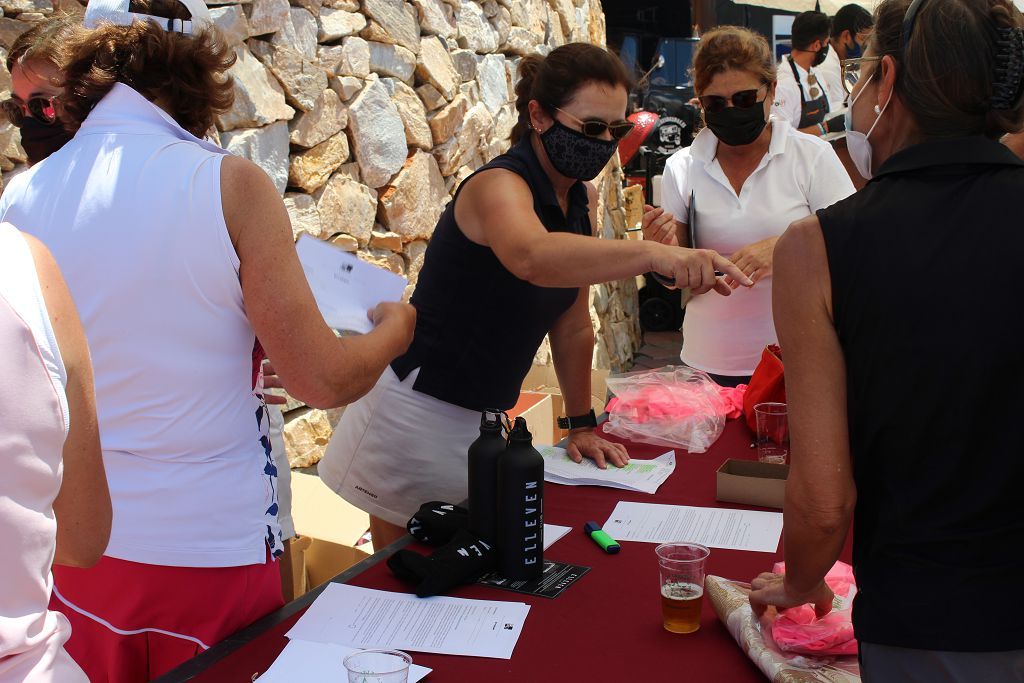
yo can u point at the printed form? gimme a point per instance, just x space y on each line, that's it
367 618
714 527
345 287
644 476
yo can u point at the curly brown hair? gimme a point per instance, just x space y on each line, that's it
186 74
728 48
46 41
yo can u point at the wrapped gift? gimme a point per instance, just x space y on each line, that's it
731 603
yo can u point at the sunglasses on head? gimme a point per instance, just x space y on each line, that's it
595 128
39 108
744 99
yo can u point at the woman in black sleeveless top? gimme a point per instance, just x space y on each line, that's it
904 368
509 262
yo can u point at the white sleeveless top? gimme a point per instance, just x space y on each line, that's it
33 425
131 209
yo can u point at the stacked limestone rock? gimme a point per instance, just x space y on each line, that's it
368 113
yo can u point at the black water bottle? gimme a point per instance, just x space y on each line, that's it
520 507
483 476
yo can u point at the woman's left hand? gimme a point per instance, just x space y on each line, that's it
585 443
755 260
770 589
272 381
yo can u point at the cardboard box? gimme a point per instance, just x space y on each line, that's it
752 483
328 528
538 409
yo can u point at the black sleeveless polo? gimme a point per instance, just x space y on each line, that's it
928 300
478 326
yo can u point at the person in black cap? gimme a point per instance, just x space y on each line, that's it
903 361
800 96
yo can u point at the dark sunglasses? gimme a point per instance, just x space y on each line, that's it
39 108
744 99
595 128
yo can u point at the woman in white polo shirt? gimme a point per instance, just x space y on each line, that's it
749 177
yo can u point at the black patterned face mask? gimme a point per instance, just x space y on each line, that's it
575 155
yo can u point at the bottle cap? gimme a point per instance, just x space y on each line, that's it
490 420
520 432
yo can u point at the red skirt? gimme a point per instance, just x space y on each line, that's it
133 622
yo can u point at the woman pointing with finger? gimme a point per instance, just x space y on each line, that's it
749 177
510 261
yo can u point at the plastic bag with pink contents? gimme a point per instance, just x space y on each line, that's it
797 630
678 407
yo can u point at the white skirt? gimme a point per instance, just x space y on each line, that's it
396 448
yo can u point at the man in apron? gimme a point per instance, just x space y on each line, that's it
800 98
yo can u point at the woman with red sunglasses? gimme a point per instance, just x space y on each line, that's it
34 62
744 179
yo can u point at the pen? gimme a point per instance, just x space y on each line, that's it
606 542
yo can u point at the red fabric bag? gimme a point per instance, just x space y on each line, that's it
767 384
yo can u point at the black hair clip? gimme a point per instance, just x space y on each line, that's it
1008 84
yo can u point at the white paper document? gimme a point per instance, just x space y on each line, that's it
318 663
713 527
345 287
553 532
644 476
367 618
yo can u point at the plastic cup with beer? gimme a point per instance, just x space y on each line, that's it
772 432
378 666
682 584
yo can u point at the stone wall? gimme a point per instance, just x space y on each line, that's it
368 113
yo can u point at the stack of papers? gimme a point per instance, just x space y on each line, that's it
644 476
345 287
713 527
366 618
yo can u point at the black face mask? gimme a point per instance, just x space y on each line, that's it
40 140
820 55
736 127
575 155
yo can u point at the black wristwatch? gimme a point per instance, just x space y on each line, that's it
579 421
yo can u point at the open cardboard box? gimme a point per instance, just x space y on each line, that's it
328 528
752 483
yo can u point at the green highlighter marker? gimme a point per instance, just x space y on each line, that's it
607 543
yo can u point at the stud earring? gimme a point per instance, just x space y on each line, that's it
878 110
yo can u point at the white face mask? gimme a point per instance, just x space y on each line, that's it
856 142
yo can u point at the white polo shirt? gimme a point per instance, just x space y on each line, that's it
724 335
787 105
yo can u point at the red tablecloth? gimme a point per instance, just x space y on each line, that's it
607 626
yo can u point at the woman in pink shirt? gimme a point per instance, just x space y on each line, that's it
54 502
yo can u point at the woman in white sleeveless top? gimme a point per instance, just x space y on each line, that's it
50 447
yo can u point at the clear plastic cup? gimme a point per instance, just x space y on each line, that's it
378 666
681 566
772 432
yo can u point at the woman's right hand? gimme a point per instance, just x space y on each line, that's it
400 318
695 268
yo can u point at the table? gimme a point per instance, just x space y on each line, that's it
606 627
